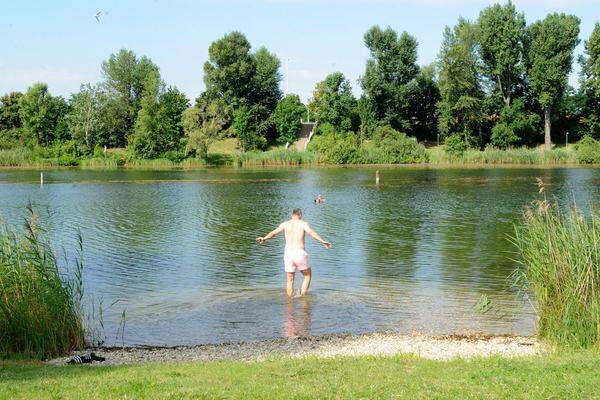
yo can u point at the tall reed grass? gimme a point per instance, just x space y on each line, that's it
278 157
522 155
560 265
40 313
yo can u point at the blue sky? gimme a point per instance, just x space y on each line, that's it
61 43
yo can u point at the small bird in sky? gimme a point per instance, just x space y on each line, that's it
97 16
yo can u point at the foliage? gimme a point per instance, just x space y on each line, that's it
392 65
424 95
84 119
461 106
333 103
588 151
203 124
549 46
265 81
287 116
514 124
335 147
560 260
126 77
393 147
40 313
246 125
158 127
42 115
590 83
9 111
500 32
455 145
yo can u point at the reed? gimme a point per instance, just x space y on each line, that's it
560 266
522 156
19 157
278 157
40 313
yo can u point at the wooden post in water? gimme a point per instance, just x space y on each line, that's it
41 179
377 178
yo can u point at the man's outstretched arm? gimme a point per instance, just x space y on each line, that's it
273 233
316 236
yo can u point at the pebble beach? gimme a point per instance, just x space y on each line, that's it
376 344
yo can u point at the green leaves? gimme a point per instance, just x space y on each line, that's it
500 31
286 118
333 103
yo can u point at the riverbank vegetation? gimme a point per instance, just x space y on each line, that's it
39 310
561 267
498 89
561 376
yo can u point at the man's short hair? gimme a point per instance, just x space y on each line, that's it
297 212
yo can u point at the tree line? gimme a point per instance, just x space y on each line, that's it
498 81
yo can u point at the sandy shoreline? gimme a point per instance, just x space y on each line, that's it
376 344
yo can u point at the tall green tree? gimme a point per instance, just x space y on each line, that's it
203 124
9 111
236 76
10 120
230 70
424 95
500 33
266 80
159 127
287 116
43 116
590 83
125 76
461 108
391 67
84 119
333 103
549 47
247 128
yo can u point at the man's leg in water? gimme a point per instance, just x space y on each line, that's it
290 283
306 282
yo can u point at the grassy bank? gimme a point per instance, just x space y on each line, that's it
39 312
572 376
561 266
322 152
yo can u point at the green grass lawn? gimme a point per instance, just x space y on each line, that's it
572 376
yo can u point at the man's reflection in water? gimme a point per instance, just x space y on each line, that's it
297 317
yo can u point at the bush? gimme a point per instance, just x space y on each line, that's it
393 147
560 260
503 136
588 151
455 145
335 147
39 312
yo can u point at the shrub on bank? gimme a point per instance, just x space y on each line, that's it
560 259
388 147
39 312
588 151
393 147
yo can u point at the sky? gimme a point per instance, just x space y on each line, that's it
61 43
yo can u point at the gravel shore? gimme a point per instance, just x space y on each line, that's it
431 347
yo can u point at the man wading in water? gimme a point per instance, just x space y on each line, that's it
295 256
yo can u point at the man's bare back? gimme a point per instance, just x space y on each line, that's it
295 256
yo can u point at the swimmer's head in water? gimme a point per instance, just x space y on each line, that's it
297 213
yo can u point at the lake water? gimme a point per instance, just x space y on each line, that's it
175 250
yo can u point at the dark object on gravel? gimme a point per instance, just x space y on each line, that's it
85 359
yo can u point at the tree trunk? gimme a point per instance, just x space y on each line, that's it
547 128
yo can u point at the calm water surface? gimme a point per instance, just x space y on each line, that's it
175 250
